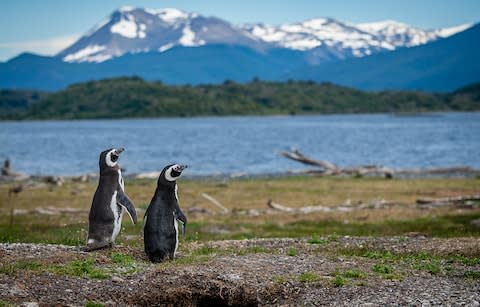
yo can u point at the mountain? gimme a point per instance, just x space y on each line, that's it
140 30
178 47
442 65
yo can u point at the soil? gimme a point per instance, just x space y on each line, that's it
271 275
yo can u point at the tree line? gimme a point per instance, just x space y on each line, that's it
133 97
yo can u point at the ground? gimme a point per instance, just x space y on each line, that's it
375 246
334 270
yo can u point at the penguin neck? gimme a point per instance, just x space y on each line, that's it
111 171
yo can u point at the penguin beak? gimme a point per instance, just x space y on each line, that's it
118 151
179 168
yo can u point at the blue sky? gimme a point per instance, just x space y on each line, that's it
47 26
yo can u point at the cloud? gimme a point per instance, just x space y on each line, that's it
48 46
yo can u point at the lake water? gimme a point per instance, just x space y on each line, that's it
233 145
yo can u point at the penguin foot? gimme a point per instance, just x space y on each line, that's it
97 246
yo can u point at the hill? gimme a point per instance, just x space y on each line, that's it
134 97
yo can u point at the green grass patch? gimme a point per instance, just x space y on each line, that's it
472 275
354 274
292 252
381 268
12 268
434 226
122 259
93 304
339 281
6 304
309 277
81 268
432 267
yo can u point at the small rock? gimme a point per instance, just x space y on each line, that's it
117 279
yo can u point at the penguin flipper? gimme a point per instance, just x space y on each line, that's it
125 202
182 218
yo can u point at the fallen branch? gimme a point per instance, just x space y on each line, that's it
347 207
50 211
465 201
215 202
326 168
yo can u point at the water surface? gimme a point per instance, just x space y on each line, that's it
232 145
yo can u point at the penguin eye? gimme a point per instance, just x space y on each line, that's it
114 158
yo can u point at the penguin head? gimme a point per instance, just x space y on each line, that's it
170 174
109 158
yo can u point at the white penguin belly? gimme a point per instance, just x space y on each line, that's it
175 223
117 217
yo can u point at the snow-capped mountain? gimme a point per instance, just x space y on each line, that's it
134 30
327 34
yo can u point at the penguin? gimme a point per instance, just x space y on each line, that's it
109 203
160 231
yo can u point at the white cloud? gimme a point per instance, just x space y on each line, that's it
48 46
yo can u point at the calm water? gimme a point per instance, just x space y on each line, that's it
231 145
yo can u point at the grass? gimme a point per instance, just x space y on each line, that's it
309 277
122 259
472 275
253 193
381 268
292 252
81 268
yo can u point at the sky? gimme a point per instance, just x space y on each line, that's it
47 26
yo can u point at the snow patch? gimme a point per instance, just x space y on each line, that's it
165 47
85 53
127 27
188 38
446 32
169 15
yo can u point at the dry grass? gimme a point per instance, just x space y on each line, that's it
244 194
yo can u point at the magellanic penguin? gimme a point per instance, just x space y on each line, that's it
160 232
109 202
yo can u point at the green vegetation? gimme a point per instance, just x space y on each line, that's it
339 281
472 275
292 252
93 304
309 277
134 97
82 268
122 259
382 268
12 102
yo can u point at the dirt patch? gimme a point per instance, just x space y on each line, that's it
324 271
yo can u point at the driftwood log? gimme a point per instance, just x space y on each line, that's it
466 202
215 202
347 207
326 168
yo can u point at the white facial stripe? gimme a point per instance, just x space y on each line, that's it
108 159
168 173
